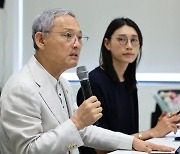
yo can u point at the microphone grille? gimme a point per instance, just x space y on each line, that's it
82 73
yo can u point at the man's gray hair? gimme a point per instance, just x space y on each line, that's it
44 21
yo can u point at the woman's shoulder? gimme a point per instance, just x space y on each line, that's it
98 74
99 78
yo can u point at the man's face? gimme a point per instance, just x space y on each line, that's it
61 45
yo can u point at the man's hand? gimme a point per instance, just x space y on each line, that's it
87 113
144 146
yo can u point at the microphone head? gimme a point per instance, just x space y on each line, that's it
82 73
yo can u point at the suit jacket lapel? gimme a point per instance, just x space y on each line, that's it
46 90
52 101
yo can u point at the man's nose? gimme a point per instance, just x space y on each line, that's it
76 42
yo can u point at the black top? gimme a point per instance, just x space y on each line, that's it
120 107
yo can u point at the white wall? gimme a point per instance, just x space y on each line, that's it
159 21
9 40
6 43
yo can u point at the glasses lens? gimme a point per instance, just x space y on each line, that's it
122 40
135 41
69 36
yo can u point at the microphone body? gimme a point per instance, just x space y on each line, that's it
83 76
86 88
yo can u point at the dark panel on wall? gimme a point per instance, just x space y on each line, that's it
2 3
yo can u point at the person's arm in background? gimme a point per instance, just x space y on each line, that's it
166 123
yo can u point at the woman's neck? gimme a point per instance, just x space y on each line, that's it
120 70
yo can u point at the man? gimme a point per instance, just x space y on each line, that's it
36 119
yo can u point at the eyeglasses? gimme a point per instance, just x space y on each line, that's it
71 38
124 41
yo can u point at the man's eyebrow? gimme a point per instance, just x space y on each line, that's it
71 30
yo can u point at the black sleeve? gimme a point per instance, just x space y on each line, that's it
97 91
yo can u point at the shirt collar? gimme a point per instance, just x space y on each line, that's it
52 79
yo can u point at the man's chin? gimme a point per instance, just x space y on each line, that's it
73 65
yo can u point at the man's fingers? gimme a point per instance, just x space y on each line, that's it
147 149
160 147
99 110
93 99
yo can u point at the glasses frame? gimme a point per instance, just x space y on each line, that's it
126 40
71 38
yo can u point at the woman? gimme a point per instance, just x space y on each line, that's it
114 82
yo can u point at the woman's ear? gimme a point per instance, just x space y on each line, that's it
39 39
107 43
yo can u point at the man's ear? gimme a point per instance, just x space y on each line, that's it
39 39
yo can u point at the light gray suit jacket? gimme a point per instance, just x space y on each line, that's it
33 121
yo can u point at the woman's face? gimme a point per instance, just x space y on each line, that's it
123 45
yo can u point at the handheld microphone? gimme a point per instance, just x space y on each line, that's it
83 76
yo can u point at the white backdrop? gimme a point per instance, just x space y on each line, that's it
158 20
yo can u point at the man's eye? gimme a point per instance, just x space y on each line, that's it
79 37
68 34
